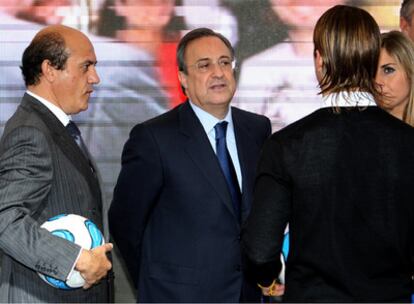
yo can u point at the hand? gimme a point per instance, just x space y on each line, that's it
93 264
274 290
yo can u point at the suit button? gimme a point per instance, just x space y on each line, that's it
239 238
238 268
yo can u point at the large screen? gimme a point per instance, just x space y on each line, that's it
135 43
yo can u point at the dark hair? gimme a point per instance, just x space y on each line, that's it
46 46
406 10
109 22
194 35
348 40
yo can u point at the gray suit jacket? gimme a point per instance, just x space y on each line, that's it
42 173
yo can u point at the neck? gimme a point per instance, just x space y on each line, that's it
303 46
397 112
39 90
139 39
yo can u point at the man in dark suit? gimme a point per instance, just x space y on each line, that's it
342 178
186 184
45 170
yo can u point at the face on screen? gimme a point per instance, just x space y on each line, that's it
302 13
209 81
394 84
141 14
73 85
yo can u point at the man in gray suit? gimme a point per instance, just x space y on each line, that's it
46 170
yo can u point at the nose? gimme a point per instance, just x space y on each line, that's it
217 70
379 82
93 77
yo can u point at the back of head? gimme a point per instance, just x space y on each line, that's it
406 10
53 43
46 45
348 40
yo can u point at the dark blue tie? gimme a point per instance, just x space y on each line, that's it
227 166
74 131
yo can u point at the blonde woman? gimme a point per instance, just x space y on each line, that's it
395 76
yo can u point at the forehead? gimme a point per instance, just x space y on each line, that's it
80 47
206 48
385 57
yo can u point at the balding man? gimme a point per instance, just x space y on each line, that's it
45 170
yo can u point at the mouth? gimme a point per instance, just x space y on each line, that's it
218 86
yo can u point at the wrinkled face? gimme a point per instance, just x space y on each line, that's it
74 84
209 81
394 84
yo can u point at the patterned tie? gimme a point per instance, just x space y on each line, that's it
227 166
76 134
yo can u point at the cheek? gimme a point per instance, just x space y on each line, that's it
405 86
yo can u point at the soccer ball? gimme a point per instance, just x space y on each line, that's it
284 255
79 230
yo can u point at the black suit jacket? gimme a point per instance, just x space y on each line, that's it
172 215
343 182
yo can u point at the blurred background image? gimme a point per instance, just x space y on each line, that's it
135 42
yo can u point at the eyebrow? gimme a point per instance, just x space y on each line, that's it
390 63
204 59
90 62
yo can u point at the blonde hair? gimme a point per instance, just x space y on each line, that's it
401 48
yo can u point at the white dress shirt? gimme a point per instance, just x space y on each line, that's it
208 122
351 99
64 119
58 112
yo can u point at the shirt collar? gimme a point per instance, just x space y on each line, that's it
58 112
208 121
348 99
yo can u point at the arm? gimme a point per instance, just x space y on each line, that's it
136 192
26 174
262 236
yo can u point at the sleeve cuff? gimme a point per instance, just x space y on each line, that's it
74 264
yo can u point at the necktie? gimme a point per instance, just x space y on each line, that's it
227 166
76 134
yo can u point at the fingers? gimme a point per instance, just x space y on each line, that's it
108 247
95 265
274 290
277 290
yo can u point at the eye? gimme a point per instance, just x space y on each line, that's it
85 67
203 66
225 62
388 70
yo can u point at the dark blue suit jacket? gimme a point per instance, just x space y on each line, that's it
172 215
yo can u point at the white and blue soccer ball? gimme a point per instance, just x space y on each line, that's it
284 255
76 229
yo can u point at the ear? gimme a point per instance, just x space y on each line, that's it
404 25
48 71
318 61
182 77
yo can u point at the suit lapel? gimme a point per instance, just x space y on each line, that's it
63 139
246 153
199 150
